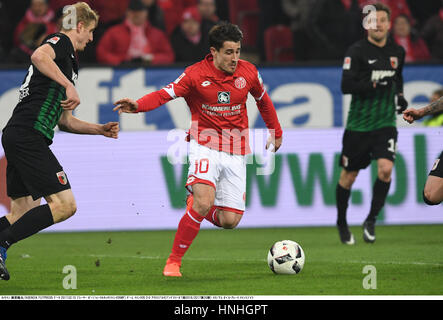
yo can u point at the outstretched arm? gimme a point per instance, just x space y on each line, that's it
411 114
71 124
146 103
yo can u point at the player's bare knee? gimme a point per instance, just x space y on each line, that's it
202 206
62 210
384 174
431 198
228 220
230 224
348 178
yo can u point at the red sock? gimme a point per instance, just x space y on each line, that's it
212 217
187 230
212 214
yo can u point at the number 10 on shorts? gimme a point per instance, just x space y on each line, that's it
202 165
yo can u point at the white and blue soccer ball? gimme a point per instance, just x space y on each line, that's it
286 257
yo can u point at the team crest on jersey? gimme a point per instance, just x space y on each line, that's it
53 40
224 97
394 62
240 83
62 177
347 63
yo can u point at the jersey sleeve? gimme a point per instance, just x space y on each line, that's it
265 105
179 88
61 46
399 73
257 89
354 81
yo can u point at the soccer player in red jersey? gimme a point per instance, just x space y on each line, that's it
215 90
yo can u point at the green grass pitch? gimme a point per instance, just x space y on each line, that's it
408 260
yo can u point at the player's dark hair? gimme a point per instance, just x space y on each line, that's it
222 32
379 6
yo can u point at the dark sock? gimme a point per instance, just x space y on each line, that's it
30 223
342 198
379 194
4 223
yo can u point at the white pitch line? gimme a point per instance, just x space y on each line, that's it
434 264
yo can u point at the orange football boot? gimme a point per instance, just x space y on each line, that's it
172 269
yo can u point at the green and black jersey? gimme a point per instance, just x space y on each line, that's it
39 101
372 108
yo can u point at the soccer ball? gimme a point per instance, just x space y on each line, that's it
286 257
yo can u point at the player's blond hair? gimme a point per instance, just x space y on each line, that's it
78 12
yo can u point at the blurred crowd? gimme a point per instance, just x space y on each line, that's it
162 32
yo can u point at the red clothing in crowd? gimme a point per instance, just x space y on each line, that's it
57 4
217 102
114 46
28 18
415 50
173 10
397 7
110 10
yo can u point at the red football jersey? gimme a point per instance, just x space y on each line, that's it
217 102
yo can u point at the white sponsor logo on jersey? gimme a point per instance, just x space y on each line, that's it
381 74
205 83
53 40
179 78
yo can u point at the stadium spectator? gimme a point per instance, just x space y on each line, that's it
155 14
222 10
297 13
31 38
60 4
135 40
173 10
432 33
38 12
111 11
207 9
397 7
415 47
436 119
423 10
190 44
333 25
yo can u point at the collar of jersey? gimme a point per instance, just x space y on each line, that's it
218 74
